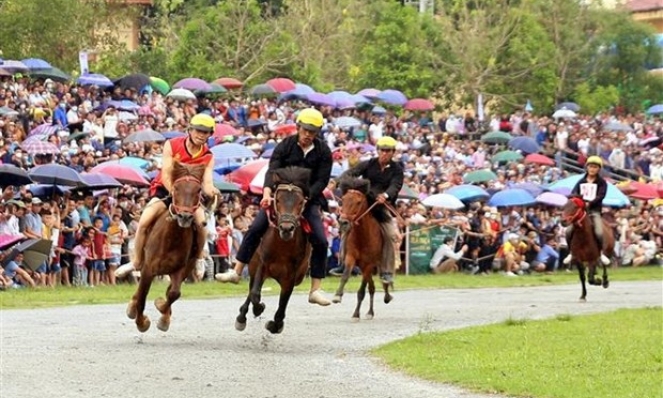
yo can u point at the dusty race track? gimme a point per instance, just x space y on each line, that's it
95 351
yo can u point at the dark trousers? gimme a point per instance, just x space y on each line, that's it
317 238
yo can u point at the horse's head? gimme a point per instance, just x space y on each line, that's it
187 190
573 211
354 202
290 199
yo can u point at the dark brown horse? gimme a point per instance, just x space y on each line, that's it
583 245
284 251
171 247
362 243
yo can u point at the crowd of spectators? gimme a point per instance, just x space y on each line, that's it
93 231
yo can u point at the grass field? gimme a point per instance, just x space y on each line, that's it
610 355
48 297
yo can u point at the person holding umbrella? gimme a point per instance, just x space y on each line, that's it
190 150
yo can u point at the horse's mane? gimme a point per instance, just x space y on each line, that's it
297 176
182 170
357 183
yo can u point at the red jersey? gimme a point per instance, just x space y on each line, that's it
182 155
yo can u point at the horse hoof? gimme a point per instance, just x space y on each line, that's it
606 283
583 300
132 312
273 328
337 299
239 326
145 326
369 317
355 319
598 281
258 309
159 303
163 325
388 298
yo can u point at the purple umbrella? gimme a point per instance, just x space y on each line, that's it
320 99
94 79
534 189
360 99
339 95
12 66
552 199
267 154
193 84
55 174
36 147
392 97
100 181
369 92
44 129
345 104
562 191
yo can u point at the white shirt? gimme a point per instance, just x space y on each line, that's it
444 252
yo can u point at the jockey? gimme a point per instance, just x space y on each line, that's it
386 180
189 150
304 149
592 188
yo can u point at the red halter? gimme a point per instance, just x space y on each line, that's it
185 209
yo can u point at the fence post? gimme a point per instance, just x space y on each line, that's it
407 250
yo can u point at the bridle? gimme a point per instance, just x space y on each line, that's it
175 209
579 215
285 217
354 218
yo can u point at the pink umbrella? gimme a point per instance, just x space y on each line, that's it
244 175
539 159
419 104
124 174
229 83
37 147
281 84
222 130
6 240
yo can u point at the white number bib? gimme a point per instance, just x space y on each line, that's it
588 191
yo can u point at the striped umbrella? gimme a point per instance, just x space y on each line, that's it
37 147
44 129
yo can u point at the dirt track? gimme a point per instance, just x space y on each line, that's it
95 351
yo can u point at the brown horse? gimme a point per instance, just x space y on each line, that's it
171 247
362 243
284 251
583 245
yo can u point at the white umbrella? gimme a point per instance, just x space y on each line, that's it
444 201
564 114
181 94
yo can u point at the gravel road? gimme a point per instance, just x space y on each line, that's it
95 351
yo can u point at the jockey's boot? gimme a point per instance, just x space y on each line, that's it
568 259
230 276
316 297
604 259
124 270
387 278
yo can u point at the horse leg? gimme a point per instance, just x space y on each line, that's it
137 304
606 282
387 296
173 293
240 321
371 297
591 275
361 293
581 272
276 326
255 292
347 271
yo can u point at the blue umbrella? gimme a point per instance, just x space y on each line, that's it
347 122
572 106
100 181
226 166
378 110
344 104
267 154
511 197
135 162
174 134
12 66
152 174
55 174
336 170
232 151
47 191
339 95
320 99
392 97
303 88
36 64
613 198
359 99
524 144
95 79
468 193
369 92
124 105
655 110
534 189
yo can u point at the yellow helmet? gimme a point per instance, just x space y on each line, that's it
203 122
594 160
310 119
386 142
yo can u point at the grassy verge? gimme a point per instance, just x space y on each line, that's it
46 297
611 355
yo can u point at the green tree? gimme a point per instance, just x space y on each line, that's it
597 99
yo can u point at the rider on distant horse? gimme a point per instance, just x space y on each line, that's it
386 178
189 150
304 149
592 188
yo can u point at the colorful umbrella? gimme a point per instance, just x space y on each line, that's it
7 240
193 84
419 104
122 173
613 198
229 83
535 158
281 84
245 174
642 191
160 85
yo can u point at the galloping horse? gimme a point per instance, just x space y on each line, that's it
284 251
583 245
171 247
362 242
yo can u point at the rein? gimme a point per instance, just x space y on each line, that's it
281 216
579 214
387 205
174 209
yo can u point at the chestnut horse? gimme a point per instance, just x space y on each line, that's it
362 243
583 245
171 247
284 251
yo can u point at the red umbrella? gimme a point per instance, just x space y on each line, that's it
229 82
539 159
286 129
643 191
281 84
222 130
419 104
245 174
124 174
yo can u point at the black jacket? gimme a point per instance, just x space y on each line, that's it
318 160
601 191
389 181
